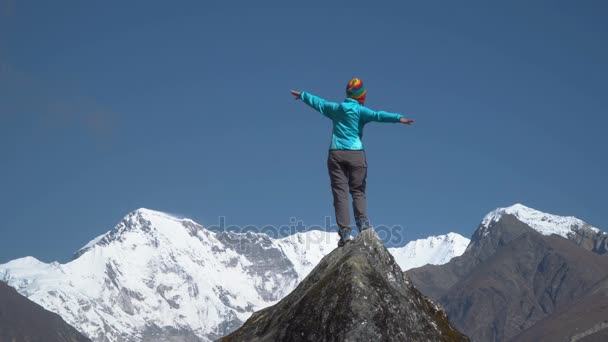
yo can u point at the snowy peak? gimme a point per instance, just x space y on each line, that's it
147 220
543 223
435 250
142 221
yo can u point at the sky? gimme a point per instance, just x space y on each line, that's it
184 107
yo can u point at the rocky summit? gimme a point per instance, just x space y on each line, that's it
355 293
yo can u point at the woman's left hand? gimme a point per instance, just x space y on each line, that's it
297 94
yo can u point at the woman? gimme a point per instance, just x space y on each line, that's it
346 161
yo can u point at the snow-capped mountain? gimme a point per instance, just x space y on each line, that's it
435 250
523 267
155 274
158 277
543 223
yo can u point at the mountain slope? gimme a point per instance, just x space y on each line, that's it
584 320
514 274
356 293
521 284
156 276
22 320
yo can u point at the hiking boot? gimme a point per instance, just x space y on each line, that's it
363 224
345 237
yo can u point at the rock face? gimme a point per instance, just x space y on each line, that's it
22 320
356 293
522 268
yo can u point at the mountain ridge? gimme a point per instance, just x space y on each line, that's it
162 275
155 272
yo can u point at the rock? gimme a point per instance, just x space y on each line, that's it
356 293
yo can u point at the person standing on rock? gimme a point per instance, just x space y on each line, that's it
346 161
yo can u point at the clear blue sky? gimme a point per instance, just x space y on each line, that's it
106 107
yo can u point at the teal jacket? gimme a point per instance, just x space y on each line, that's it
348 119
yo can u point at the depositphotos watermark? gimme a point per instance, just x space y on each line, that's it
392 235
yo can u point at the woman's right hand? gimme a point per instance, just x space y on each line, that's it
406 121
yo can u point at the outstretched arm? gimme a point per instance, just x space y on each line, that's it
382 116
322 106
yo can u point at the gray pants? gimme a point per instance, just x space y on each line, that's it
348 173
